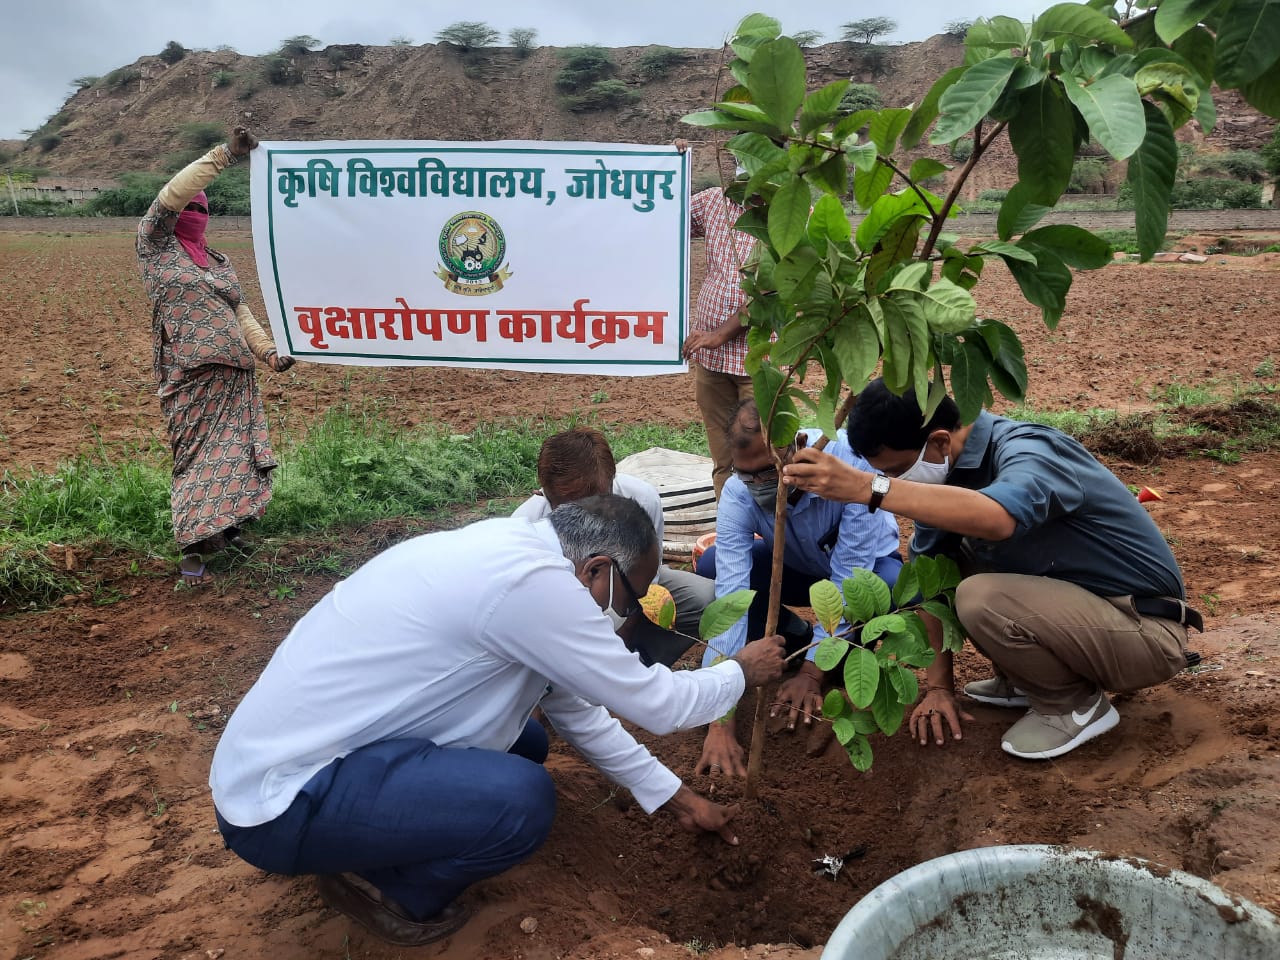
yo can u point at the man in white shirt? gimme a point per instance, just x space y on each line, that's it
578 463
388 745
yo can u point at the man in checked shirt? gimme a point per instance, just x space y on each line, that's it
717 344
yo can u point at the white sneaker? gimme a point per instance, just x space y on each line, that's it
1040 736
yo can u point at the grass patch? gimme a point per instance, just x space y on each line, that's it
352 469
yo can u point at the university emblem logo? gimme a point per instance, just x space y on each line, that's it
472 247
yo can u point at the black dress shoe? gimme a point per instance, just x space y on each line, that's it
384 918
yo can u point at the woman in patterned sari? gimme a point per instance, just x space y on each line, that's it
204 344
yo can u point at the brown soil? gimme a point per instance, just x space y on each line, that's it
111 702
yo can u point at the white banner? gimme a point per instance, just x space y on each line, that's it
515 255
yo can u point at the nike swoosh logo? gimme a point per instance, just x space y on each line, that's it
1082 718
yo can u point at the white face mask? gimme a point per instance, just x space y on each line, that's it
922 471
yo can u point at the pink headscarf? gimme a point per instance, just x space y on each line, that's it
190 230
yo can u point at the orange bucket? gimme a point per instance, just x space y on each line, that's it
700 547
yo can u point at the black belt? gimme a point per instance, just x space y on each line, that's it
1166 609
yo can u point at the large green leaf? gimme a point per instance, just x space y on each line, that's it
887 710
906 586
1152 171
859 751
928 577
861 676
926 167
948 308
876 627
996 33
776 79
1248 41
865 596
1176 17
723 612
827 604
1018 213
1112 109
1005 249
869 187
758 25
1075 246
1262 93
886 126
1074 21
953 632
857 347
904 684
897 244
844 729
882 215
753 150
795 275
1045 285
968 100
1178 81
897 345
821 106
831 176
715 120
1041 135
969 381
1197 47
831 651
828 222
834 704
1008 366
927 112
788 215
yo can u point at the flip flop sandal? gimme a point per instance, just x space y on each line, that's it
190 576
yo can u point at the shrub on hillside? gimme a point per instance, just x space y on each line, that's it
522 39
202 136
962 149
279 71
299 46
1236 164
1271 155
583 66
468 35
173 52
121 77
860 96
1088 175
602 95
85 82
48 142
806 38
223 78
1211 193
656 62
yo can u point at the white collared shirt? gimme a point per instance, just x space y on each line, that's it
455 637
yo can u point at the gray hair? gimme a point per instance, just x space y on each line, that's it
614 526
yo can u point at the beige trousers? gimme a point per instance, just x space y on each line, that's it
1059 643
718 393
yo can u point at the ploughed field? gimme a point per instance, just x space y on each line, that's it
109 712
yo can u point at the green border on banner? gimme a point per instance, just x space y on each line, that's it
681 245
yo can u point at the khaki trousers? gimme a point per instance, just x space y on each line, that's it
718 393
1059 643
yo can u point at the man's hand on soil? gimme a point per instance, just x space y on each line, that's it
761 660
802 694
697 814
938 708
721 752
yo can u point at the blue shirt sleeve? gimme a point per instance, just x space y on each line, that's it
735 531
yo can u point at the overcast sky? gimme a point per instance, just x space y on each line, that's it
45 44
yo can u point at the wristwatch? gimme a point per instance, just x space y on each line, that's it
879 487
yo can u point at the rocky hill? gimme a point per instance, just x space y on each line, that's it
435 92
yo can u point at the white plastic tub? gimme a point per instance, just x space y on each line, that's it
1036 902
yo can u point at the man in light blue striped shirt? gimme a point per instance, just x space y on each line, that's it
825 540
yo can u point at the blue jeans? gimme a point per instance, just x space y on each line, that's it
419 822
795 591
